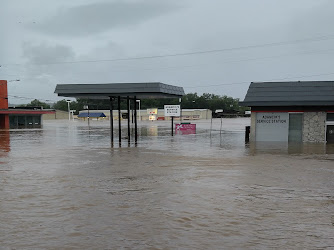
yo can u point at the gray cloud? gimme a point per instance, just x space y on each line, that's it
90 19
317 21
85 30
44 53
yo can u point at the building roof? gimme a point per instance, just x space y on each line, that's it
92 114
306 93
25 112
104 91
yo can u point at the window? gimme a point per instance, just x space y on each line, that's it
330 117
29 122
21 121
37 121
13 121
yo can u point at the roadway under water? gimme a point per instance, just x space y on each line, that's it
64 187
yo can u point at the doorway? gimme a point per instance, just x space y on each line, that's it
330 134
296 127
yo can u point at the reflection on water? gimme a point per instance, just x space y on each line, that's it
4 144
290 148
4 141
150 130
64 187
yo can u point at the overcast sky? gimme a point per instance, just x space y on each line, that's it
47 42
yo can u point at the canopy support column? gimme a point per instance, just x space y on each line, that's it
119 120
135 116
128 106
111 117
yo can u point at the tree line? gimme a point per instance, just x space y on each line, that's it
188 101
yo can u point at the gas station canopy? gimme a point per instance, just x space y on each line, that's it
116 92
107 90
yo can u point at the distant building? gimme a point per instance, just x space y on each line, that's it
18 117
187 114
57 115
291 111
95 115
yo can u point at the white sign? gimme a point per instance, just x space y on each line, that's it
152 118
152 111
272 126
172 110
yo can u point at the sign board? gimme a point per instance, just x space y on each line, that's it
152 111
172 110
152 117
185 129
272 127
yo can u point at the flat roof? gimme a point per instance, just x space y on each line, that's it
300 93
25 112
107 90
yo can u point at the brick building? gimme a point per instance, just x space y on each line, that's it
18 117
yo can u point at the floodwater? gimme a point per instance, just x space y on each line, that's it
64 187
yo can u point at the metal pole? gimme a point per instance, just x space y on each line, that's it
111 117
128 104
69 111
139 111
88 115
172 125
119 120
211 126
180 100
136 132
221 125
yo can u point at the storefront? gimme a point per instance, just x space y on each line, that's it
291 111
25 121
23 117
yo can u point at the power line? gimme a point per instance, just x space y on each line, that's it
266 80
230 61
200 86
30 98
225 62
315 39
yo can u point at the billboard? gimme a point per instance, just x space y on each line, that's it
185 129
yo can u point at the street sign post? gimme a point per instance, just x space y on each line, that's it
172 110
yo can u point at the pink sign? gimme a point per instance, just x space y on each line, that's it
185 129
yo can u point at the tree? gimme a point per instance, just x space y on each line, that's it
37 103
188 101
74 105
61 105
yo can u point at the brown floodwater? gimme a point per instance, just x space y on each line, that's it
64 187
